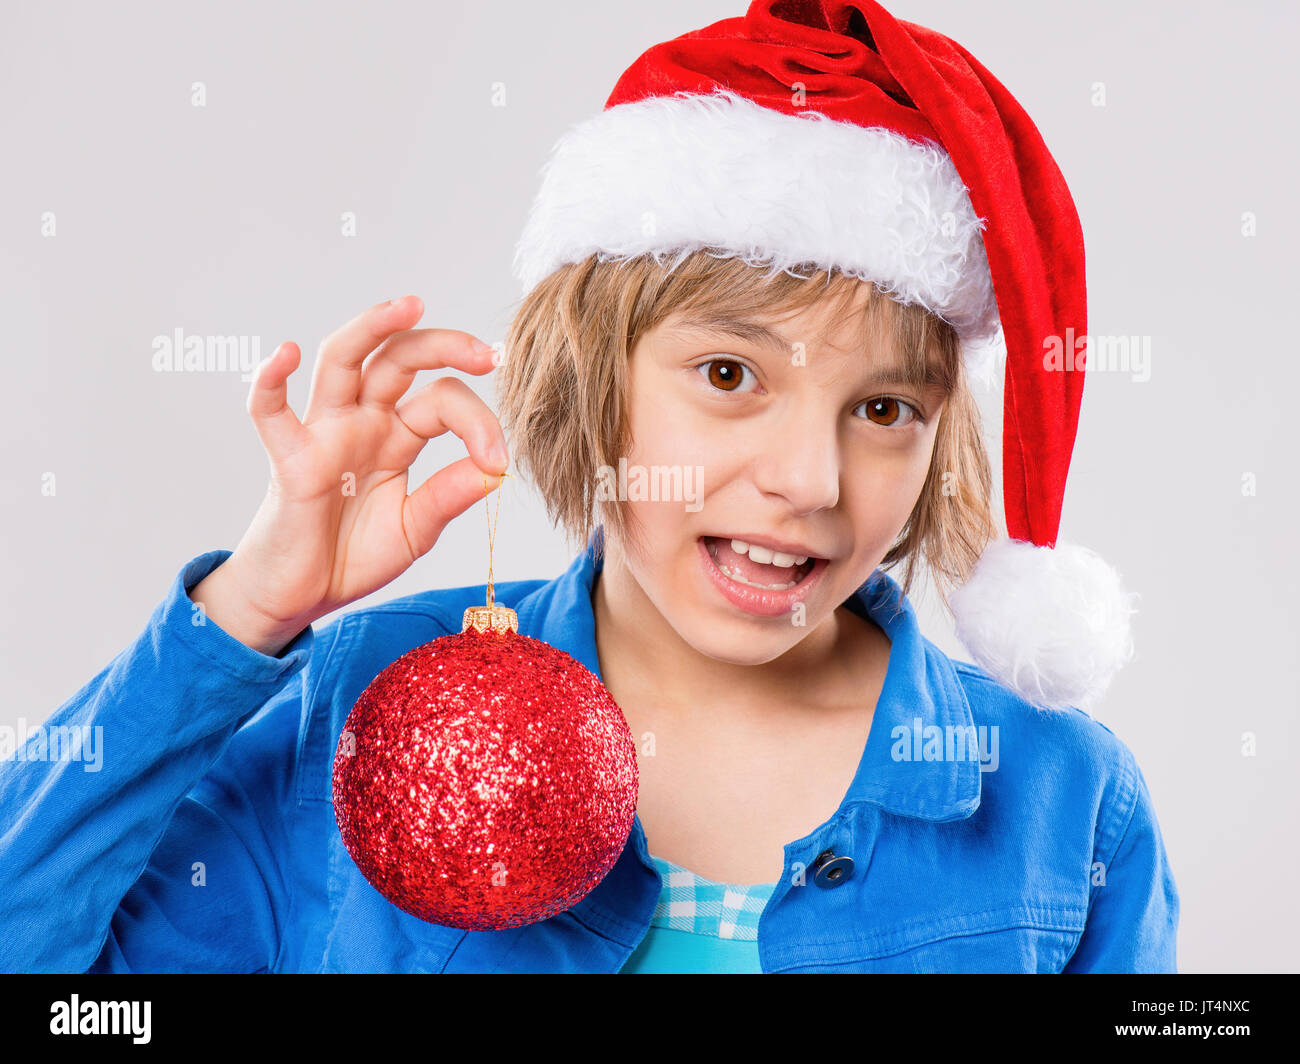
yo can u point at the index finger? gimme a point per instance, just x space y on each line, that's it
388 374
336 379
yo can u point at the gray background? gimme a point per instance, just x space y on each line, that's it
225 219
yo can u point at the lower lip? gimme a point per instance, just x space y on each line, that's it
754 600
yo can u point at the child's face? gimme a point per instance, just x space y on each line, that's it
798 444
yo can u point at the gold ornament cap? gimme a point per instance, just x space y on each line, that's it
490 618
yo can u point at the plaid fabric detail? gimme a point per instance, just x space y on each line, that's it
689 902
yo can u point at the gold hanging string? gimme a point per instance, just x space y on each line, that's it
492 528
491 617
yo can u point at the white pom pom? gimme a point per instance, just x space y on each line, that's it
1051 624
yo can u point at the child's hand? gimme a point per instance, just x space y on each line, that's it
336 523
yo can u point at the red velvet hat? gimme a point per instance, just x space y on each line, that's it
828 133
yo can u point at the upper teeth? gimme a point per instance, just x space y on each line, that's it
767 557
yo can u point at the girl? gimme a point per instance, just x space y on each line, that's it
790 301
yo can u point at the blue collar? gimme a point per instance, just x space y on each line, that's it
921 690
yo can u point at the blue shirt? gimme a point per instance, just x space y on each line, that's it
205 840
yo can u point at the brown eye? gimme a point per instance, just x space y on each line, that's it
725 374
887 411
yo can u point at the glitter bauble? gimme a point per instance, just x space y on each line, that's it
485 780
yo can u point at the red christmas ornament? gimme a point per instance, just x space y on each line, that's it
485 780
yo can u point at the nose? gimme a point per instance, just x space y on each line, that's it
800 463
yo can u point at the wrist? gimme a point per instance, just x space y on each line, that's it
224 602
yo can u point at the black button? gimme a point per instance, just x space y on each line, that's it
832 871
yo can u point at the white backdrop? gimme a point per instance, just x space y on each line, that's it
128 213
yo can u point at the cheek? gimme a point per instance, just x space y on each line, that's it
674 458
903 463
669 431
912 463
886 482
918 464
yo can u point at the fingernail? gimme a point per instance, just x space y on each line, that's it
394 302
481 348
499 453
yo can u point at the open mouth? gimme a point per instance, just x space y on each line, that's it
756 567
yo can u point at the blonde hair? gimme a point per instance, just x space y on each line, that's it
562 389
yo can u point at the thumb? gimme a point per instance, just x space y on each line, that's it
445 495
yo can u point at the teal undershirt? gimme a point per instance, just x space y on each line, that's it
672 949
666 950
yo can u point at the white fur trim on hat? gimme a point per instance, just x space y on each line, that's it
669 175
1049 623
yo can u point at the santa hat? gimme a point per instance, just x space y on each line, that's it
828 133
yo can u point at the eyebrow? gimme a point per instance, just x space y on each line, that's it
760 335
